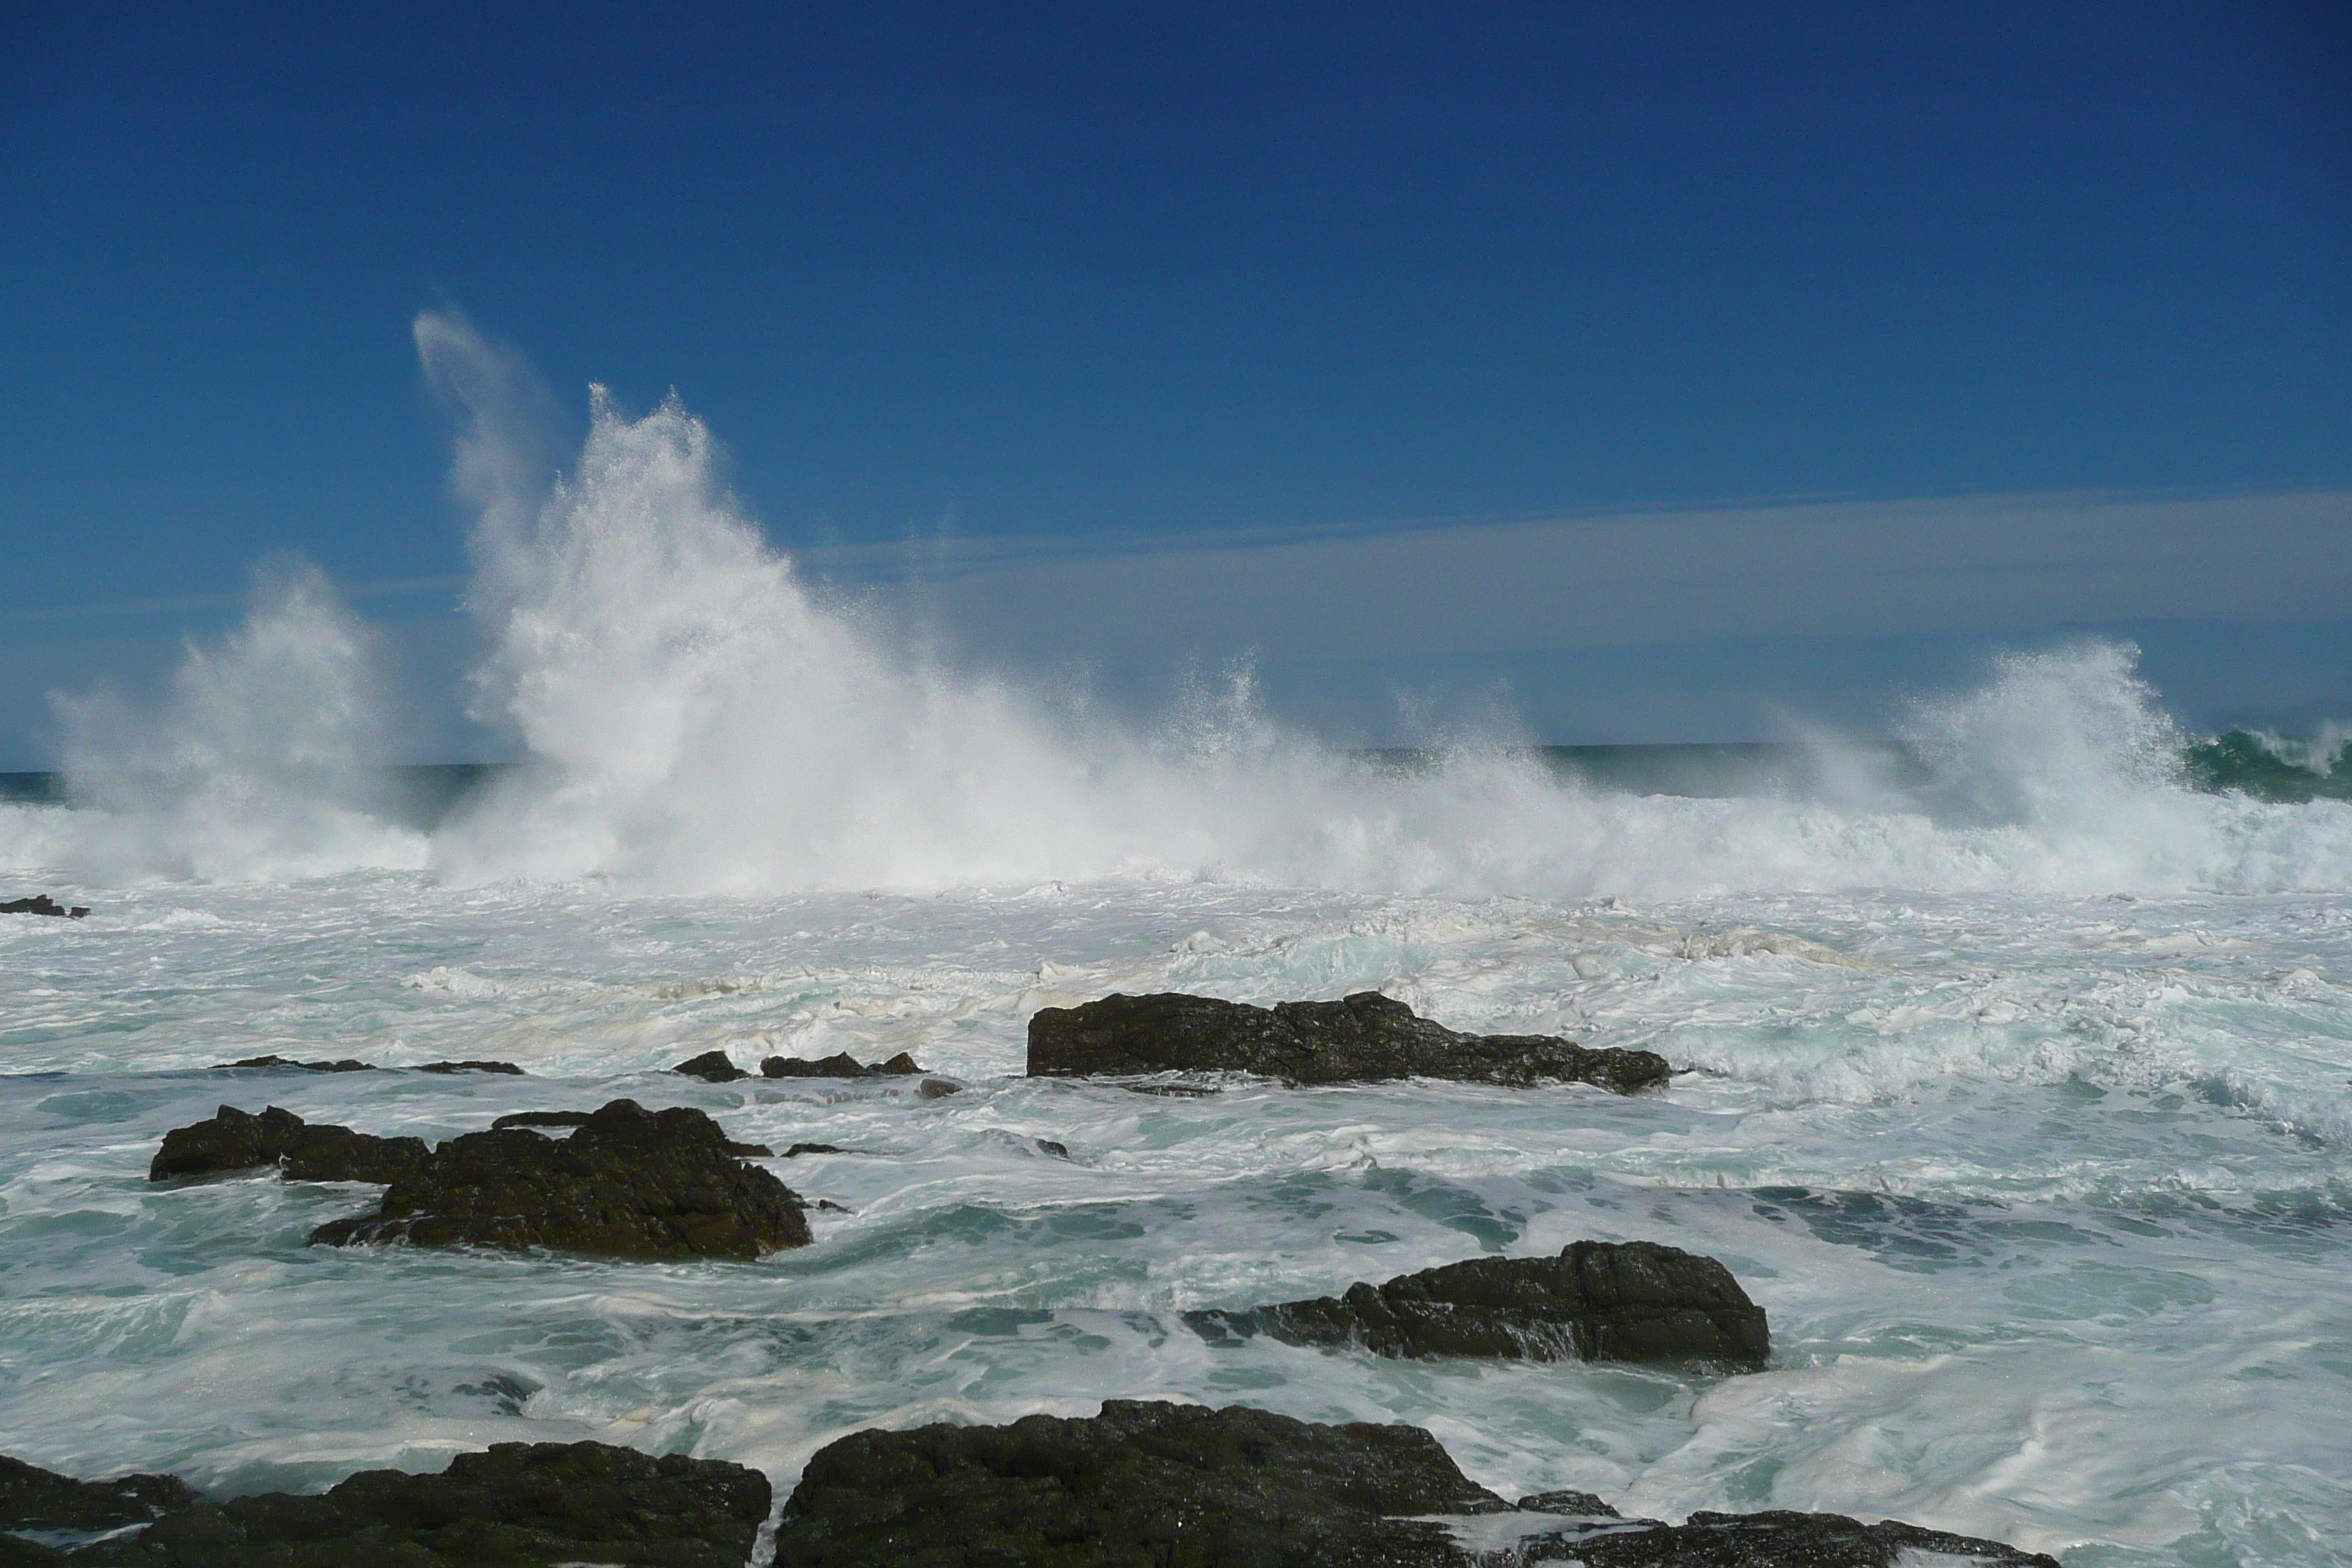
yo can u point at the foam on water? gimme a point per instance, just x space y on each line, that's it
2020 1094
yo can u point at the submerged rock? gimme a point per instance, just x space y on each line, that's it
711 1067
1775 1539
346 1065
518 1505
472 1066
841 1065
1142 1483
1363 1039
1598 1301
1146 1484
234 1140
42 904
628 1182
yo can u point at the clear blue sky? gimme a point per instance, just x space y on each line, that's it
1098 270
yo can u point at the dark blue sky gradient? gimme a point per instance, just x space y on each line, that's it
1076 269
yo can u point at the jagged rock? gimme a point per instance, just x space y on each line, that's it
42 904
629 1182
35 1498
1142 1483
1597 1300
841 1065
472 1066
1363 1039
1774 1539
346 1065
518 1505
711 1067
1146 1484
234 1140
1582 1504
542 1119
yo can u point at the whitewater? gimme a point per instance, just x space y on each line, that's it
2020 1088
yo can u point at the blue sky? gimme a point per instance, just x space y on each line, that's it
1120 279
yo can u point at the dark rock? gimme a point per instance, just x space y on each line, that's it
711 1067
471 1066
1364 1038
1583 1504
1776 1539
234 1140
1597 1300
937 1088
42 904
542 1119
518 1505
900 1066
1141 1484
35 1498
797 1150
630 1182
839 1065
345 1065
1048 1146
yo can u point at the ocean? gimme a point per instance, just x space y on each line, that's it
2020 1054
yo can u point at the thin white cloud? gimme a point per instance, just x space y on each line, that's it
1969 565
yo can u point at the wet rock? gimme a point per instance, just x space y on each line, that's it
711 1067
472 1066
1776 1539
628 1182
42 904
937 1088
542 1119
1048 1146
234 1140
518 1505
841 1065
1147 1484
35 1498
1584 1505
346 1065
1364 1038
797 1150
1141 1484
1598 1301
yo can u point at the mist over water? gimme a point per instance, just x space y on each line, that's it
695 718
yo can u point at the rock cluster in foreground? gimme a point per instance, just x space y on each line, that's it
628 1183
1597 1300
518 1505
1363 1039
1147 1484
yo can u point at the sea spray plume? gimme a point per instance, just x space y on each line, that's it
701 719
260 760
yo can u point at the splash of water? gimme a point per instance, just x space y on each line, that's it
260 761
698 719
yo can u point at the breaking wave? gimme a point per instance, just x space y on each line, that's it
696 717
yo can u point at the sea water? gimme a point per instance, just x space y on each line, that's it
2018 1087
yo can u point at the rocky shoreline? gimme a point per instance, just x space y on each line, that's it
1143 1484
